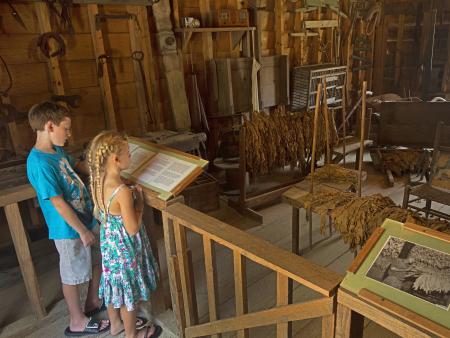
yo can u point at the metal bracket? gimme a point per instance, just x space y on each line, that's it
101 18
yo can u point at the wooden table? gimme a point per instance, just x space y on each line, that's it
9 199
352 308
293 197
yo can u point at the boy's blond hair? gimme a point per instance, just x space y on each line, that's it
46 111
102 146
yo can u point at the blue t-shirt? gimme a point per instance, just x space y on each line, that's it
52 175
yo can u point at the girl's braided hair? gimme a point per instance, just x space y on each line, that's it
102 146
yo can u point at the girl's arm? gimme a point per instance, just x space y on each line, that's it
131 215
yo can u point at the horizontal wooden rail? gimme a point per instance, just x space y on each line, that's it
280 314
258 250
16 194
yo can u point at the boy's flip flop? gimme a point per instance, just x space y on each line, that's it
92 327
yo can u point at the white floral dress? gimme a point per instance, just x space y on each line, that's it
130 271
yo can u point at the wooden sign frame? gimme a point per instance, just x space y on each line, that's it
170 152
402 299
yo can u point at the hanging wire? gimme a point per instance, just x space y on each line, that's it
4 92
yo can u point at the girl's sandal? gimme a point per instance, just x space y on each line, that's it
156 332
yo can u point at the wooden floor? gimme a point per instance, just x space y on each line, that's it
330 252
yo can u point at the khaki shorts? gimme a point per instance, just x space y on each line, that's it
76 261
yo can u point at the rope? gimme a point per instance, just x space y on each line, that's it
373 18
43 44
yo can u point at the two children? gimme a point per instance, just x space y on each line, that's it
129 270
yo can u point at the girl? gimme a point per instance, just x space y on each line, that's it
129 269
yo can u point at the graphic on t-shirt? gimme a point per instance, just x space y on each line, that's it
76 194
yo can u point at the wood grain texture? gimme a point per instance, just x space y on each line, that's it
258 250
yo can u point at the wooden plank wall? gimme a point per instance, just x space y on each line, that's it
394 53
399 45
32 81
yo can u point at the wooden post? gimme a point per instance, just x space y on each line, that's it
398 49
53 63
361 145
344 115
19 238
158 301
313 150
240 287
282 299
105 83
174 274
173 72
211 282
180 240
242 168
279 26
327 122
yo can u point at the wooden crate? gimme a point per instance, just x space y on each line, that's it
203 193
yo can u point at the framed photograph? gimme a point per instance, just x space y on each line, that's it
415 269
408 265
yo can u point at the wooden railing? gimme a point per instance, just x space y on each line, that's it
178 218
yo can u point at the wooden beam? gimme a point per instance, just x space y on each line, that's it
279 26
379 56
140 41
16 194
398 49
294 312
105 82
42 12
295 267
173 72
21 246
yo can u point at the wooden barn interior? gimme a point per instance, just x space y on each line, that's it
311 121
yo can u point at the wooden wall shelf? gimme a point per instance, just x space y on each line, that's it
237 33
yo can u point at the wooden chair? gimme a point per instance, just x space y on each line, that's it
437 188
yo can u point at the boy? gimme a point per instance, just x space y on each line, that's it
68 212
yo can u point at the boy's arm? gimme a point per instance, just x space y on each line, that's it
69 215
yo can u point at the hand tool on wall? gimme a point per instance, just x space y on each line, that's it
66 6
72 101
138 56
16 15
43 44
101 61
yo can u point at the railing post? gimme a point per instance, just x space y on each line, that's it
240 287
188 298
282 299
174 274
211 283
